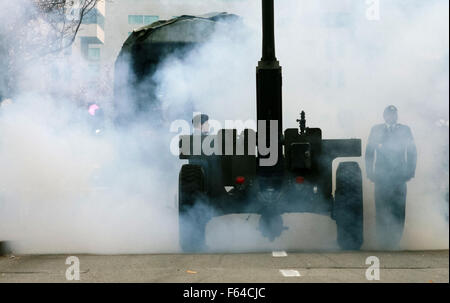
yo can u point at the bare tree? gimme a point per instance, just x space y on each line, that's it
36 29
64 18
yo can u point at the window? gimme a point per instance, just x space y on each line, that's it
135 19
94 17
94 54
150 19
142 19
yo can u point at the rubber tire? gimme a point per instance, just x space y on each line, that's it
192 208
348 206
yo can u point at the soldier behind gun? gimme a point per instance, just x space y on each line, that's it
201 125
390 162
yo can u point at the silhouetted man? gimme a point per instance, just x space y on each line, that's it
390 163
201 125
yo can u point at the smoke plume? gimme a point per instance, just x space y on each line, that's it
65 189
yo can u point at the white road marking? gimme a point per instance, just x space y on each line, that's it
290 273
278 254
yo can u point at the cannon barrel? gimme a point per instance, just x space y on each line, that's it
268 88
268 50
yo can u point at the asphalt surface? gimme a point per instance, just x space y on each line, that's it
401 266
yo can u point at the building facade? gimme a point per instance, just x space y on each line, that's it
107 26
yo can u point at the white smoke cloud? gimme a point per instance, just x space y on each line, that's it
343 77
64 190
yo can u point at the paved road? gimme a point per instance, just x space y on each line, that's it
406 266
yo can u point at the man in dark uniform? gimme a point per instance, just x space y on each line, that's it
390 162
201 125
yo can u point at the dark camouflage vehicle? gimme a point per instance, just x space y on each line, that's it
149 46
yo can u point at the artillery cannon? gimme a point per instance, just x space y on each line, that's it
239 179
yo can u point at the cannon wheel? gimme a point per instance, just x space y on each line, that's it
192 208
348 206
